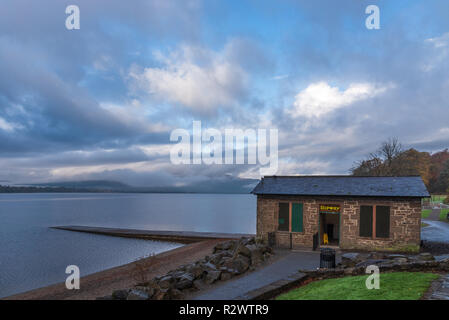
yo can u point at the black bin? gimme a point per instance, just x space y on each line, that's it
327 258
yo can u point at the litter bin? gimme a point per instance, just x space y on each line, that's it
327 258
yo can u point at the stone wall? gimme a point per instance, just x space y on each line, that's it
405 222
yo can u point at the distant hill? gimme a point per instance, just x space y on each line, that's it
222 185
89 184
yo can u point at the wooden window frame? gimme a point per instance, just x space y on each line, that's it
289 216
290 206
374 213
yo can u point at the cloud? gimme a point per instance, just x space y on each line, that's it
198 79
319 98
439 42
7 126
280 77
438 55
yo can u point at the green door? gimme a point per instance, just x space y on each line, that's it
297 217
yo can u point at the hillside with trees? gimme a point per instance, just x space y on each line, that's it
392 160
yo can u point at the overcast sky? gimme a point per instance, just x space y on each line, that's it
101 102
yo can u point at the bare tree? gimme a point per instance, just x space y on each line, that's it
379 163
389 150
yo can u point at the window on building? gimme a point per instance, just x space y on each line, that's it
382 222
291 212
381 216
284 217
297 217
366 221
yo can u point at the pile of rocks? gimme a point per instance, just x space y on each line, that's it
355 259
356 263
229 258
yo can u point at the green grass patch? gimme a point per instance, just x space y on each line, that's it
393 286
438 198
425 213
443 214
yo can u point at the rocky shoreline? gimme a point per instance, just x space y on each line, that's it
229 259
104 282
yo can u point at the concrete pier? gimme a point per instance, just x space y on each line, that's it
171 236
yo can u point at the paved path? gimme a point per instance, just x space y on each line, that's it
437 231
288 263
442 292
434 215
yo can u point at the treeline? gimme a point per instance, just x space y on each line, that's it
392 160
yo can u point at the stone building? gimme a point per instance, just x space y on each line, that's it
368 213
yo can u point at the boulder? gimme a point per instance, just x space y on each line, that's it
226 245
225 276
243 250
350 259
400 260
165 282
442 258
212 276
161 294
185 281
349 271
266 256
369 262
175 294
209 266
176 273
196 270
216 258
425 256
256 253
246 241
239 264
377 256
199 284
120 294
135 294
395 256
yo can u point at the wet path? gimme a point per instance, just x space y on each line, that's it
437 231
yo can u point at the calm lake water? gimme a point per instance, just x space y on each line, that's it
32 255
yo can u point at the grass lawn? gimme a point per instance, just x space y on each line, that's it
393 286
425 213
443 215
438 198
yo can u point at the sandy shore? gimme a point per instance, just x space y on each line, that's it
104 282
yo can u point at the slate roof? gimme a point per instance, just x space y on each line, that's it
411 186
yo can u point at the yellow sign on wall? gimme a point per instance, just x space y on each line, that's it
329 209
